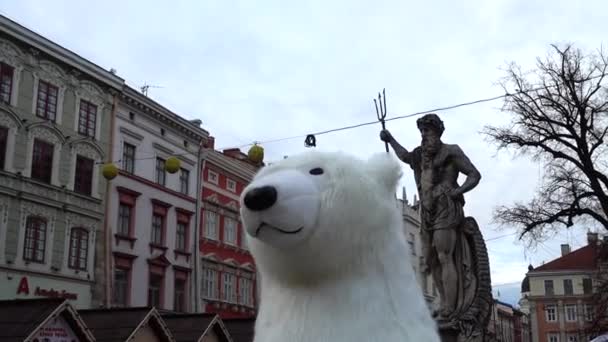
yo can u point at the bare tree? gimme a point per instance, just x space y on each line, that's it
560 117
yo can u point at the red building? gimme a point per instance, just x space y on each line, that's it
228 285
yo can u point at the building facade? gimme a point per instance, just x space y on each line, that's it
152 221
559 294
55 123
411 229
228 270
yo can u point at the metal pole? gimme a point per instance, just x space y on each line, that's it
197 227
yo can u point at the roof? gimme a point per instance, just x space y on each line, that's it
192 327
20 318
236 167
118 324
56 51
584 258
240 329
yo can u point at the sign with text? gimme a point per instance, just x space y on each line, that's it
24 288
56 330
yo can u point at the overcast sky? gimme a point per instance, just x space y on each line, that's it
267 69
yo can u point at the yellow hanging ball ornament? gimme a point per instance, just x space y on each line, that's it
172 165
256 153
109 171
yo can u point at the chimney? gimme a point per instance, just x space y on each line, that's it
211 142
234 153
565 249
591 238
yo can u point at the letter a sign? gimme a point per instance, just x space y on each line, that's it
24 287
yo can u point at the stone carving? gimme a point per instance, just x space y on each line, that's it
75 220
29 208
51 72
84 148
91 92
46 133
454 251
10 53
8 120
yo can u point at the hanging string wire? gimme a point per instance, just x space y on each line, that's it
399 117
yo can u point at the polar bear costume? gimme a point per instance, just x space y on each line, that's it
334 265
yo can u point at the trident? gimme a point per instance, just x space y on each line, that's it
381 114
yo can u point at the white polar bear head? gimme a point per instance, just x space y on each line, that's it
314 213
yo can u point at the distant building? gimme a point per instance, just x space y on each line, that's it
151 213
411 229
229 276
559 294
55 124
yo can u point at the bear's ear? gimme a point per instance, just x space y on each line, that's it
385 169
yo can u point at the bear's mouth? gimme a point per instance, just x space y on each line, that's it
266 225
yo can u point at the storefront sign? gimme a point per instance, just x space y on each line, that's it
57 330
24 288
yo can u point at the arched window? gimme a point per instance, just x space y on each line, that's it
79 249
34 246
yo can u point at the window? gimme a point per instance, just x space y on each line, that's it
552 337
3 145
79 249
35 239
589 312
42 161
572 338
212 177
209 283
229 231
184 181
179 291
161 176
210 225
551 313
6 82
46 106
230 185
412 243
568 290
245 292
121 287
128 158
229 290
243 238
124 219
570 310
549 287
587 286
87 118
83 181
157 229
180 236
154 290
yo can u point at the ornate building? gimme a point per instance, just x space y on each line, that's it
411 229
152 221
228 270
55 119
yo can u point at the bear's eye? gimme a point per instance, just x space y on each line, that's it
316 171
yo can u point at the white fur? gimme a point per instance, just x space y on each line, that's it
348 277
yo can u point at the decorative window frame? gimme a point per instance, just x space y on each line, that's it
217 177
230 181
131 138
51 73
89 150
88 91
90 225
50 215
51 135
10 120
13 56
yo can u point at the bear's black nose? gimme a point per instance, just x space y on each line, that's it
262 198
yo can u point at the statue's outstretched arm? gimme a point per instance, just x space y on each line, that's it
402 153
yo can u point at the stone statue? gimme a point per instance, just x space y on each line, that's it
454 251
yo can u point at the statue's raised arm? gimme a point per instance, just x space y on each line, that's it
401 152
